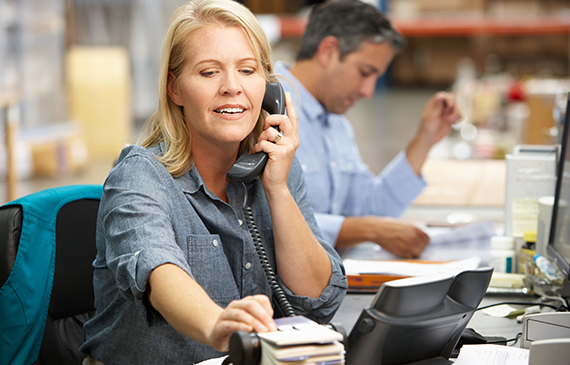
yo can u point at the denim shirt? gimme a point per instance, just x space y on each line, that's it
146 219
339 183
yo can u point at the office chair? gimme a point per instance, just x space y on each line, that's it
47 246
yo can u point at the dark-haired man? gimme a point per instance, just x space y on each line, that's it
346 46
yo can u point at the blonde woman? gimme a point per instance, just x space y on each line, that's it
176 271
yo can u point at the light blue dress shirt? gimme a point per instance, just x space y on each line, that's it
148 218
339 183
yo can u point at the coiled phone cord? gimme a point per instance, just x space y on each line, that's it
265 264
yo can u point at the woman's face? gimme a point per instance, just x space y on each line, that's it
220 87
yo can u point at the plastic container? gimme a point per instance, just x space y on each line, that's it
503 254
528 250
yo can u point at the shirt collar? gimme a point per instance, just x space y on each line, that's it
316 113
191 181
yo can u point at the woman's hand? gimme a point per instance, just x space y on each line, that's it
251 314
279 145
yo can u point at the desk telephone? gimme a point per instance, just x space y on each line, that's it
245 348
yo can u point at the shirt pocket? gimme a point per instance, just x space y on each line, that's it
211 269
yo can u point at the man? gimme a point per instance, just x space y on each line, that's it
346 46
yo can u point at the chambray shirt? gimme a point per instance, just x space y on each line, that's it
148 218
339 183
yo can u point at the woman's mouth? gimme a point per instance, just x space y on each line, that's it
229 111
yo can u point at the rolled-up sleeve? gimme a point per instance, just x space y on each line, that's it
388 194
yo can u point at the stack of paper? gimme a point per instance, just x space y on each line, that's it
300 341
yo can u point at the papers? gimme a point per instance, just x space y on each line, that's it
299 330
492 355
408 268
300 341
445 244
215 361
450 251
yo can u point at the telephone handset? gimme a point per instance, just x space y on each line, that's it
247 166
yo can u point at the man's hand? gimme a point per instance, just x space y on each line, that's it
395 236
439 115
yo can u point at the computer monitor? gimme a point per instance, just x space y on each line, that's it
558 248
416 319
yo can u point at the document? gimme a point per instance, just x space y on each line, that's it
492 355
408 268
445 244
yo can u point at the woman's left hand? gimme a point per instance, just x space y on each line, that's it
279 145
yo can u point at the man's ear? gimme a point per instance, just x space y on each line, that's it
328 51
172 89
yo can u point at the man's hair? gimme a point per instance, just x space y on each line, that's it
351 22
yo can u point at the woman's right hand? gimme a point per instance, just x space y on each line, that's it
251 314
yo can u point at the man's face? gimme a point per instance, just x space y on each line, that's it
355 76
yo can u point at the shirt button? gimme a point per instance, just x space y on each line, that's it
215 243
304 167
248 265
333 206
240 222
333 164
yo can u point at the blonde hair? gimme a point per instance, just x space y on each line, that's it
167 123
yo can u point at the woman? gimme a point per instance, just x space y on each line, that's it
176 271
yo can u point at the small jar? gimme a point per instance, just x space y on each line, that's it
528 250
503 254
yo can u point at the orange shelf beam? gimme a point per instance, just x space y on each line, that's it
458 26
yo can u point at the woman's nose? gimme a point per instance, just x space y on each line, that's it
230 85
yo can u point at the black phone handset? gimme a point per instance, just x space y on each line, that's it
247 166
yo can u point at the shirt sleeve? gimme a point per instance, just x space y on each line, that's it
137 229
330 225
363 193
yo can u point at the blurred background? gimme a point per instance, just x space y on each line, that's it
78 80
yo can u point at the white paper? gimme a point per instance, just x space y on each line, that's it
445 244
492 355
355 267
499 310
216 361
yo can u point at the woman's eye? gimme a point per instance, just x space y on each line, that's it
248 72
207 73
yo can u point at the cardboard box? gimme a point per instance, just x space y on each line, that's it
99 87
57 150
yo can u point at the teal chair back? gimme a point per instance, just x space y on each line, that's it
47 246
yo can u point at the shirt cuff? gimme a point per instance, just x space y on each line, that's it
330 225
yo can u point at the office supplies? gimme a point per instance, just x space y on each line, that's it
543 326
416 319
300 340
369 275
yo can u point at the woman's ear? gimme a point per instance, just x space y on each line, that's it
328 50
172 89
